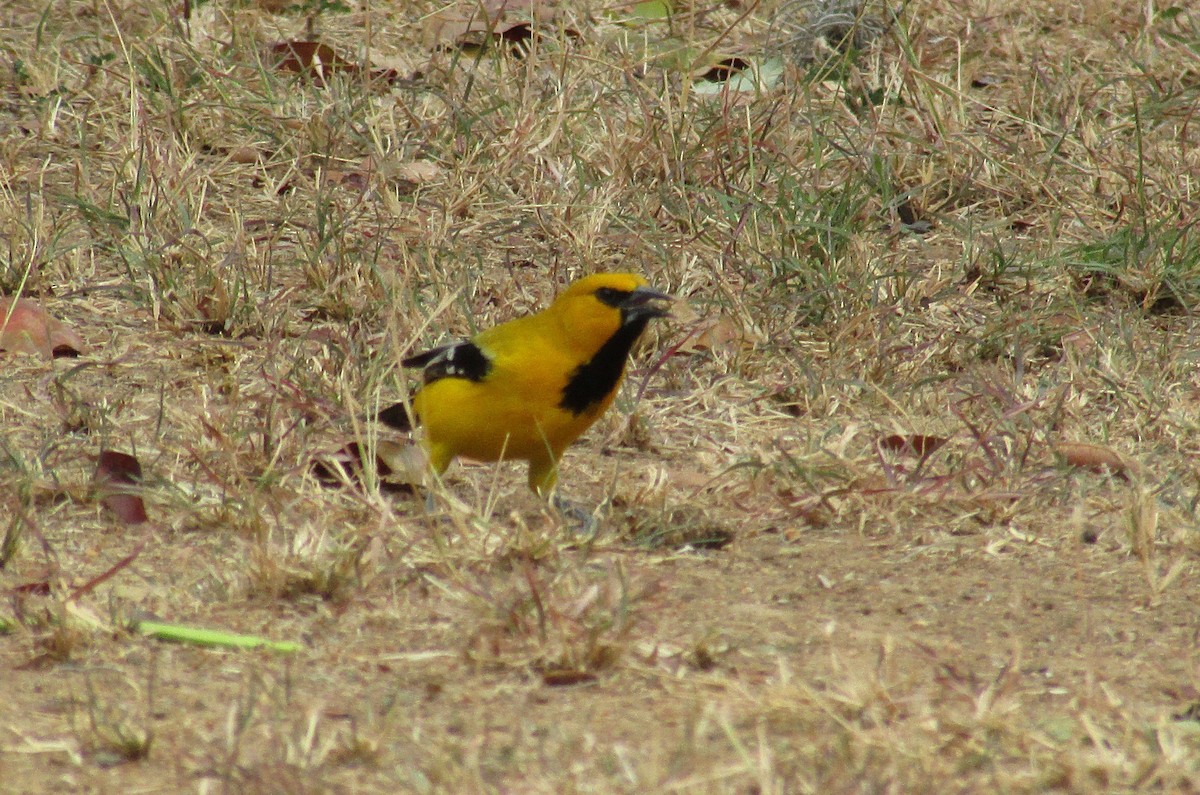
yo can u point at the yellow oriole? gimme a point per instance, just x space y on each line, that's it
526 389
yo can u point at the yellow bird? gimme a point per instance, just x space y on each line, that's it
526 389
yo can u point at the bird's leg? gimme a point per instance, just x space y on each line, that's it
543 474
585 521
439 460
543 479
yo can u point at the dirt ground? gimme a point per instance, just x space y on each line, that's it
903 498
836 661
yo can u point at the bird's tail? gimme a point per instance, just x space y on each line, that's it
396 416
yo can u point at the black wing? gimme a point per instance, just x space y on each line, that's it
458 360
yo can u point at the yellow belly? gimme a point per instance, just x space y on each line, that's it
470 419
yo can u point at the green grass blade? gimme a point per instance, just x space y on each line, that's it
212 637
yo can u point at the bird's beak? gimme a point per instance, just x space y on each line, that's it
644 302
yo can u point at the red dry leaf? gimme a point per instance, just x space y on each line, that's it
723 335
317 61
118 477
723 69
350 460
513 22
26 328
563 677
914 444
1093 457
535 7
38 588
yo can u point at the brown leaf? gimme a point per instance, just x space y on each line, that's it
354 180
723 69
244 154
561 677
536 8
392 460
1093 457
26 328
514 22
317 61
451 31
724 335
117 480
417 172
404 177
408 176
515 34
310 58
913 443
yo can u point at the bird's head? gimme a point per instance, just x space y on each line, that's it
596 307
626 294
601 318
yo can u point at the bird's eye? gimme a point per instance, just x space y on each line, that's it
611 296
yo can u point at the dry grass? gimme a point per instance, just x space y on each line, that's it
979 228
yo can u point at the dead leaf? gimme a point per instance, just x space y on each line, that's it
910 217
317 61
353 180
215 307
724 335
26 328
416 172
517 35
561 677
405 177
985 81
117 480
723 69
1081 342
912 444
449 30
399 466
1093 457
244 154
516 23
